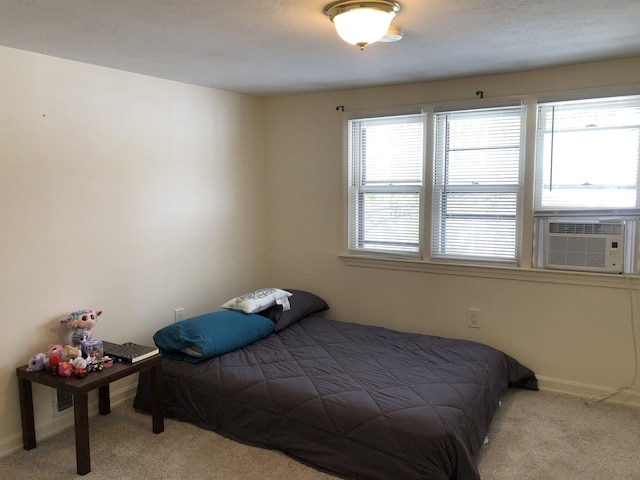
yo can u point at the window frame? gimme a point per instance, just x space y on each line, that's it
441 187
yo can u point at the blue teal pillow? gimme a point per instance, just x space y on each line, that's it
211 334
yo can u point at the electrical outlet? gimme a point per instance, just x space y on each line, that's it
473 318
179 314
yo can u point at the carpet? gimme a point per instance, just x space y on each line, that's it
534 435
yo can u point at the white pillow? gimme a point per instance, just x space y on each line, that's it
259 300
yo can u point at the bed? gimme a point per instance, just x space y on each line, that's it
353 400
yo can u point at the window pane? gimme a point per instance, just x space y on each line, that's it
489 204
478 237
392 152
390 221
587 154
483 167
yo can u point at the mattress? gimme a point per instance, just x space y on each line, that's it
353 400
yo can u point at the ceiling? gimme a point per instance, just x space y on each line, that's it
274 47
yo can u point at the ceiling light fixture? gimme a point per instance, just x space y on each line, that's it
361 23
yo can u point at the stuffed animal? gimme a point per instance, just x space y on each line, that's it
81 323
79 363
36 362
55 348
53 358
65 369
71 352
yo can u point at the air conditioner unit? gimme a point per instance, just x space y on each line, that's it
585 246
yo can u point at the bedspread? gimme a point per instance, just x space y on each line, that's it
353 400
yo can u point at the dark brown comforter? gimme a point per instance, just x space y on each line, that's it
356 401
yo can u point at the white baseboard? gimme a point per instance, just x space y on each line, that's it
623 395
65 420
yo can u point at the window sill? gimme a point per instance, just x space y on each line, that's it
496 272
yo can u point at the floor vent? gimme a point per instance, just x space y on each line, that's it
64 400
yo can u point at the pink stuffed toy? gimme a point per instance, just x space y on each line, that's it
54 348
81 323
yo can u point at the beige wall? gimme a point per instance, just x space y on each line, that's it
121 192
577 337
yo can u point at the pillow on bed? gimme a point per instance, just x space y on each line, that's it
210 335
254 302
302 304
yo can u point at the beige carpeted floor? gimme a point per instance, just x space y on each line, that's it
535 435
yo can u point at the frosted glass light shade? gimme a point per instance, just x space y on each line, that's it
363 26
361 22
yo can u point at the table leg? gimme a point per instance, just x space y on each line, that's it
81 416
158 398
26 413
104 400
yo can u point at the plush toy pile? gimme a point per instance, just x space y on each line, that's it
84 355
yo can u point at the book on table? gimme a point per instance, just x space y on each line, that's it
128 352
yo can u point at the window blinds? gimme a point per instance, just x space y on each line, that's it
386 158
476 184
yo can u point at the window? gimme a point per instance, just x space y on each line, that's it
581 172
587 155
476 184
386 157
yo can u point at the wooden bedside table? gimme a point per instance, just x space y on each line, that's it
79 388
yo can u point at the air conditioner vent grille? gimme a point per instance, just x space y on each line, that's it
586 228
578 251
